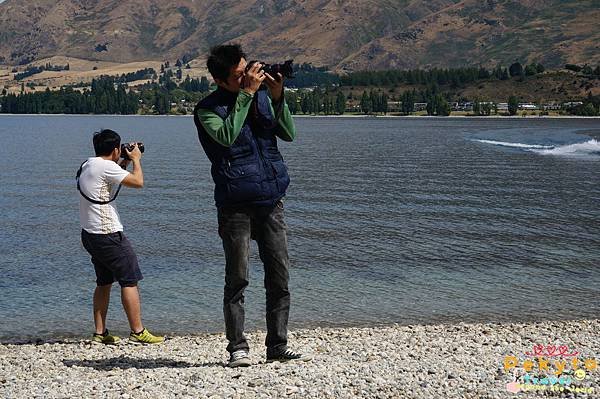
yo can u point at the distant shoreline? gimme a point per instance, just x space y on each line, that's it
349 116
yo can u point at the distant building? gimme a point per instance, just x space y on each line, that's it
528 106
394 106
551 107
420 107
466 107
502 106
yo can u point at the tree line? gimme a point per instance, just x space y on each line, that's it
33 70
455 77
164 95
104 97
317 101
107 95
590 107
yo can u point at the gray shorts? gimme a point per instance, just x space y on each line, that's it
113 258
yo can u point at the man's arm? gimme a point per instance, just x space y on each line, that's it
279 108
286 129
135 179
225 132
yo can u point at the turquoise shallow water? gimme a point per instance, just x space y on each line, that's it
408 220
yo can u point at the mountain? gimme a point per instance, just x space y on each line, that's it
488 32
351 34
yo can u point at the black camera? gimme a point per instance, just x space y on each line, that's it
129 148
286 69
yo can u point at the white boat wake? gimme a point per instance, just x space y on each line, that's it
590 147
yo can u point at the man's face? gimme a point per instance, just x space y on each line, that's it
235 79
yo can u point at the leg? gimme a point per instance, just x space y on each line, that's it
234 229
101 300
272 245
128 273
130 298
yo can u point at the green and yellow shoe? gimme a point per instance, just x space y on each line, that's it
145 338
106 338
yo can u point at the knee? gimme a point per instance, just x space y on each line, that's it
104 287
128 284
234 288
277 290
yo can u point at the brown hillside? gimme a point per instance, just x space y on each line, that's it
352 34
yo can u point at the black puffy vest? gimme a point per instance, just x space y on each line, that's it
251 171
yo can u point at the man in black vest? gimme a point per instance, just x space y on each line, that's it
238 126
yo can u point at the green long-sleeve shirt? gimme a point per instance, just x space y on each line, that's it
225 132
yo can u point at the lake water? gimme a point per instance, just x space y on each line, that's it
407 220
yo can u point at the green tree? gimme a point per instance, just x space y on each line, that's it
540 68
513 105
587 110
516 69
476 107
437 105
442 106
430 108
408 102
340 103
374 99
162 104
530 70
365 103
384 103
486 109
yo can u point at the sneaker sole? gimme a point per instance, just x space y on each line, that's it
143 343
302 359
240 363
105 343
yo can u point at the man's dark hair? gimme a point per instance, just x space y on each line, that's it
222 58
105 141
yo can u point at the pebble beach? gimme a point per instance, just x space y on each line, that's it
420 361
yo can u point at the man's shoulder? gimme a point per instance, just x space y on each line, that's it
99 162
100 167
210 101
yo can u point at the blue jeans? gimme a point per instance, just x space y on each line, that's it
237 225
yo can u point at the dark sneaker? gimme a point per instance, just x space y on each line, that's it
106 338
286 356
239 358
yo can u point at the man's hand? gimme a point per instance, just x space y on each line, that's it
275 86
136 178
253 78
135 154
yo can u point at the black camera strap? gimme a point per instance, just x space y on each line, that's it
93 201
